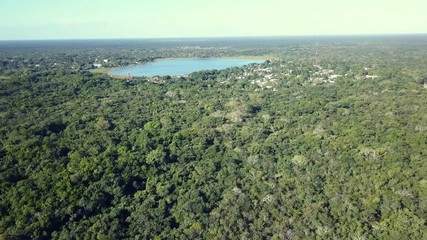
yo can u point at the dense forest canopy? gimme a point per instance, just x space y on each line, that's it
327 140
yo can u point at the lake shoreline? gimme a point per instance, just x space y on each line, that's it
122 76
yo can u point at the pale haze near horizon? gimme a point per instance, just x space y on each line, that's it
98 19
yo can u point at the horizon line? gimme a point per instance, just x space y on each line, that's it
215 37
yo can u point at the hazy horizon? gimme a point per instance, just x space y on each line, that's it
221 37
168 19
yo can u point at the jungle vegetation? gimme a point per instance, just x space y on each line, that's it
330 145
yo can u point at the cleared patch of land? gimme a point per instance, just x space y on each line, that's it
101 70
107 71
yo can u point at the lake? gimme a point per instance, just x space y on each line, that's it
182 66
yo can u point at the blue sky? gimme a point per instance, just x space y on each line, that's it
80 19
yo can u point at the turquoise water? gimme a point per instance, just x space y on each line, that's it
181 66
